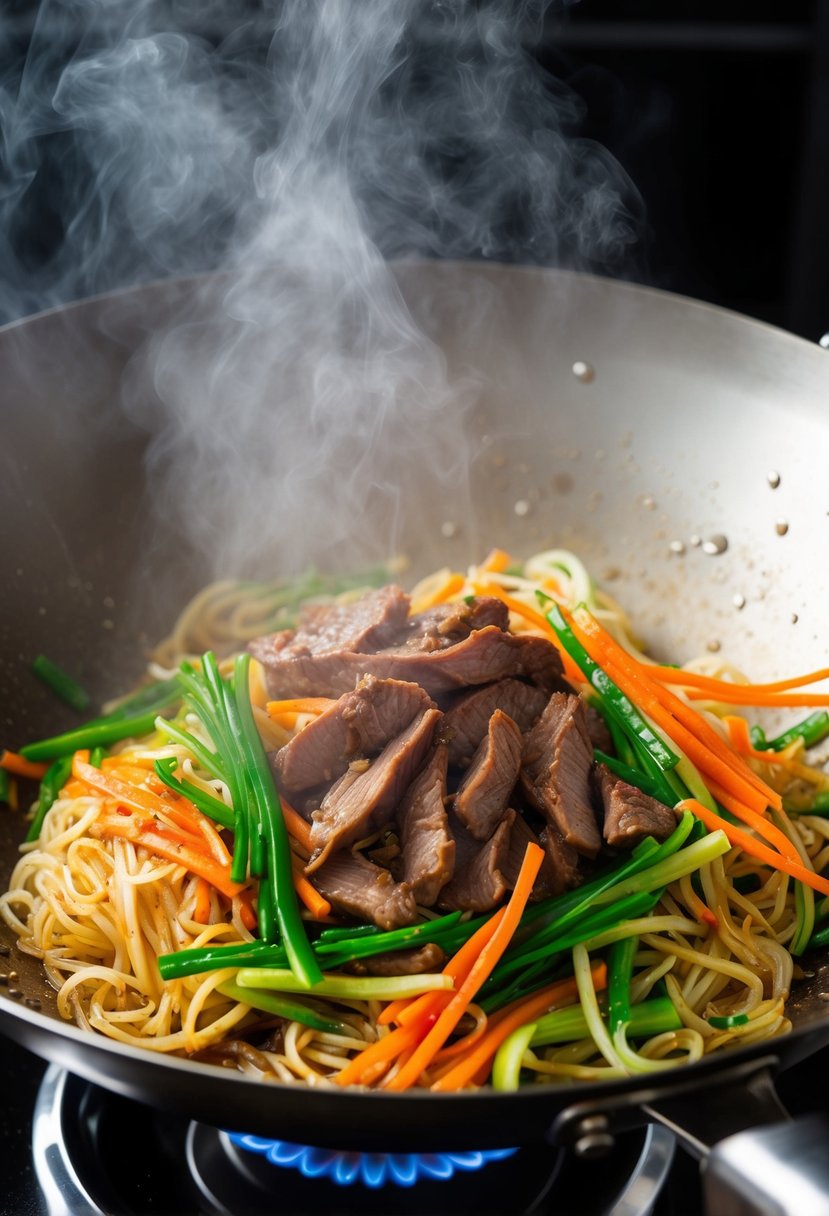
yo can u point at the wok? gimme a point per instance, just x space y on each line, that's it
653 462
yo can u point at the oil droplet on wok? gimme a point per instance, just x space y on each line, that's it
739 601
773 478
449 529
715 545
713 646
522 507
677 546
695 541
583 371
781 527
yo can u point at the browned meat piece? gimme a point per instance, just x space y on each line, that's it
375 620
360 723
360 802
563 859
427 849
521 834
630 815
597 730
466 719
487 784
362 889
403 962
479 882
556 769
446 624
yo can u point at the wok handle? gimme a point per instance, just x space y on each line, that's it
755 1159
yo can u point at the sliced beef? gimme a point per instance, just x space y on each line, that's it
556 772
445 624
362 889
403 962
427 848
486 787
360 723
597 731
629 814
563 859
467 717
547 882
479 882
357 804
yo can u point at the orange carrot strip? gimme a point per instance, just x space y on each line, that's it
779 701
692 733
740 737
201 908
448 1019
495 562
375 1059
755 848
317 905
299 705
169 845
452 584
508 1019
693 679
297 827
13 763
761 825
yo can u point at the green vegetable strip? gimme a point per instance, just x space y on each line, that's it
811 730
665 872
54 779
614 700
346 987
294 1011
5 785
506 1067
804 896
60 682
96 756
208 804
209 761
96 734
728 1021
161 694
303 962
633 776
819 939
213 958
619 974
655 1016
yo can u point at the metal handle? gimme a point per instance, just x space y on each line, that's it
773 1171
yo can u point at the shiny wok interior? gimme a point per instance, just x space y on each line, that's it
637 428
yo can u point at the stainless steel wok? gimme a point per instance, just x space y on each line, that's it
680 449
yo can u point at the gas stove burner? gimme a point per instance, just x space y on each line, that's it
373 1170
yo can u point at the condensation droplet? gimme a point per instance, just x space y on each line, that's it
583 371
773 478
739 601
522 507
713 646
677 546
449 529
781 527
695 541
649 503
795 618
715 545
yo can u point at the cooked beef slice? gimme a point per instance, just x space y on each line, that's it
445 624
563 859
487 784
427 848
629 814
485 654
403 962
376 619
359 723
597 731
355 806
467 716
362 889
547 882
478 883
556 771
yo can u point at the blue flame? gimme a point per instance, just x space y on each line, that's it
373 1170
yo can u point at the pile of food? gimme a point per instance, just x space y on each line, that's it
465 836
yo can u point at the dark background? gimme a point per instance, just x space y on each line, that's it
717 109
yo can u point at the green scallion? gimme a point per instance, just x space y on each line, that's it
60 682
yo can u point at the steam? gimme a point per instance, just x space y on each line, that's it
295 413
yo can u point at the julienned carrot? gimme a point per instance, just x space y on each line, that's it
758 823
449 586
740 737
299 705
201 909
317 904
448 1019
375 1059
14 763
495 562
297 827
502 1024
115 783
571 671
791 700
704 747
168 843
693 679
755 848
